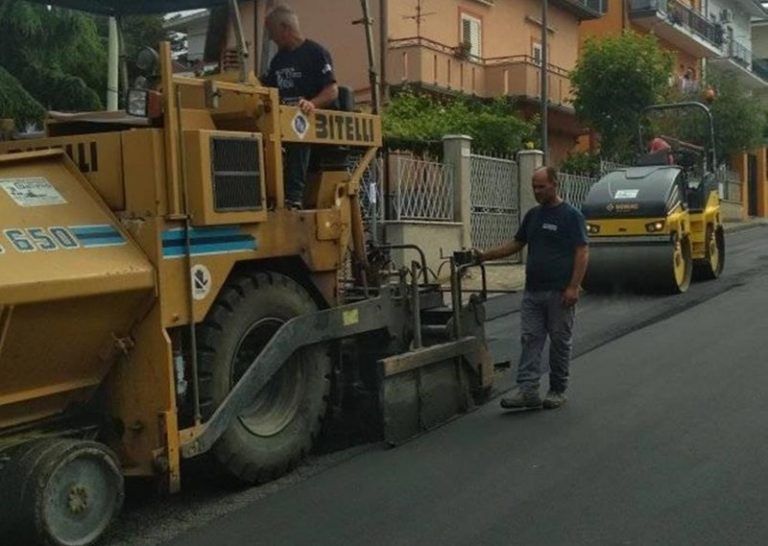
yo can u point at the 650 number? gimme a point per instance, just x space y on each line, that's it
37 238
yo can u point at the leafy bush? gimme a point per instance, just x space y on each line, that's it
418 121
581 163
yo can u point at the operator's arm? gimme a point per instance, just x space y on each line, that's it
325 78
507 249
323 99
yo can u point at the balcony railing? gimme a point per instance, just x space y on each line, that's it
430 63
760 68
740 54
680 14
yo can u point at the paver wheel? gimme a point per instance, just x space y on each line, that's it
60 492
285 418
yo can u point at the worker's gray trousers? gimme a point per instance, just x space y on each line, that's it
542 314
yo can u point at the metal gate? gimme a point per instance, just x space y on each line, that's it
494 198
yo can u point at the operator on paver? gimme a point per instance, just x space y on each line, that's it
558 252
303 72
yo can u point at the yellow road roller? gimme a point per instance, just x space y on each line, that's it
656 225
160 302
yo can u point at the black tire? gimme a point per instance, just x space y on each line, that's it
284 421
711 267
61 492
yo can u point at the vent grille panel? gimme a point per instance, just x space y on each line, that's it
236 174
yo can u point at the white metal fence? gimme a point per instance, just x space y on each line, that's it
423 190
574 188
495 214
371 192
730 185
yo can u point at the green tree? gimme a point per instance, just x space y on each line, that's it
56 54
615 78
16 103
418 121
56 59
739 117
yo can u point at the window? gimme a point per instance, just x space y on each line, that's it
471 33
536 53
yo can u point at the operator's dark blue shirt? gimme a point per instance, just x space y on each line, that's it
552 235
301 73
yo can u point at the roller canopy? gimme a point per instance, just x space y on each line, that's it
634 192
132 7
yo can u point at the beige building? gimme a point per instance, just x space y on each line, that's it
425 47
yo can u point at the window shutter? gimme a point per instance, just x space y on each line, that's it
536 53
466 31
471 34
476 38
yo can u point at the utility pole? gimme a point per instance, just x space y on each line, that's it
544 83
373 75
113 66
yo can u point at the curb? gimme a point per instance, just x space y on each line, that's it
731 227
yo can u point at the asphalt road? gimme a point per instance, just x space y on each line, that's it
662 443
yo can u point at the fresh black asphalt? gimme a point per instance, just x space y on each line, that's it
662 442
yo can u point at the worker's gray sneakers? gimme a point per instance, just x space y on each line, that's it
522 400
554 400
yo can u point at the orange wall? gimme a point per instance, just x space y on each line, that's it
617 20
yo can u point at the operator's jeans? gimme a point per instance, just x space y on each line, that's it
296 165
543 313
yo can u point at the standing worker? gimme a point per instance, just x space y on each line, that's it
302 70
555 233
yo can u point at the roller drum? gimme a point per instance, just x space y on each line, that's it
647 264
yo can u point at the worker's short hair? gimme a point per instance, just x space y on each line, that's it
551 174
284 14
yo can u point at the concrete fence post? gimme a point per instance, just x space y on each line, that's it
527 162
457 150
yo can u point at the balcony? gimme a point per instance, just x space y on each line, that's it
431 65
583 9
683 27
738 63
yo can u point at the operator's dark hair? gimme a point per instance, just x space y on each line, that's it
551 174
